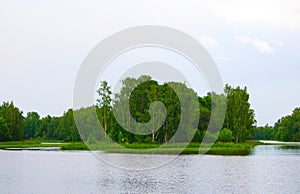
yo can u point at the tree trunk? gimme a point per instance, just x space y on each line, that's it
237 136
153 130
152 136
104 117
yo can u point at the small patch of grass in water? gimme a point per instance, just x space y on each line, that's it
74 146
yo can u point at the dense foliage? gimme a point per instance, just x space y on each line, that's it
285 129
11 122
140 96
239 116
288 127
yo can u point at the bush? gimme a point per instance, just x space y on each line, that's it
225 135
296 137
210 137
148 139
91 139
74 146
198 136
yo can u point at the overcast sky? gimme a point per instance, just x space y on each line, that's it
254 44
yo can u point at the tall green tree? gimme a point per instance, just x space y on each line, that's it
67 127
4 131
288 127
104 102
88 123
186 110
44 127
239 116
31 124
14 119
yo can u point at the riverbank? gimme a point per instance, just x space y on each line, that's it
192 148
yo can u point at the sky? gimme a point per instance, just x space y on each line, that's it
254 44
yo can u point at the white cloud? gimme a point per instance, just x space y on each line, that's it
208 42
262 45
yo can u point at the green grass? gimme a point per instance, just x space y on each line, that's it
176 148
229 151
74 146
38 143
142 148
23 144
186 151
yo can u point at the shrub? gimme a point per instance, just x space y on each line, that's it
198 136
225 135
210 137
91 139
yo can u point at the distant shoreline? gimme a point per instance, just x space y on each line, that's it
273 142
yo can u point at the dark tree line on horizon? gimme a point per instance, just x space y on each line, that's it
238 126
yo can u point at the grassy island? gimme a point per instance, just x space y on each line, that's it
192 148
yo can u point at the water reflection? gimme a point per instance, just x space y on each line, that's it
268 170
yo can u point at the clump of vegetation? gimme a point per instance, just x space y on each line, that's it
151 148
225 135
11 122
285 129
74 146
176 148
288 127
4 130
28 144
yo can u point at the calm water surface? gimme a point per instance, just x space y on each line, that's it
268 170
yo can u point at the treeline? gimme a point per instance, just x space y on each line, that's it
137 95
285 129
15 127
52 128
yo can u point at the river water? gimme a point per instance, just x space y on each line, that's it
268 170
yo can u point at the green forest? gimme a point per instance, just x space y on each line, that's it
239 124
285 129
